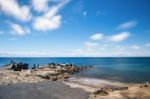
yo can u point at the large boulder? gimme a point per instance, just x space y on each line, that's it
19 67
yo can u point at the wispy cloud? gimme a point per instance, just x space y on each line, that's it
91 44
147 44
40 5
119 37
12 8
113 38
18 30
127 25
136 47
97 36
112 50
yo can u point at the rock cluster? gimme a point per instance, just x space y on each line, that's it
101 92
107 91
54 71
13 77
144 85
17 73
17 66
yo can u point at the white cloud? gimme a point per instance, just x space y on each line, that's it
112 51
97 36
50 20
91 44
40 5
42 24
127 25
93 47
115 38
136 47
12 8
105 47
147 45
18 30
119 37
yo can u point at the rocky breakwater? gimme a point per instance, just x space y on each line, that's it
19 72
55 72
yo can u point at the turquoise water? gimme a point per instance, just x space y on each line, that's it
118 69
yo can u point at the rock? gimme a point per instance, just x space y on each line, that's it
66 77
54 78
144 85
34 67
101 92
38 73
19 66
119 88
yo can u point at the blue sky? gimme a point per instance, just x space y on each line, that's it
75 28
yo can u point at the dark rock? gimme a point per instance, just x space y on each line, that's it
19 67
101 92
144 85
120 88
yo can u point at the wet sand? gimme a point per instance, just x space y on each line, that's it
92 84
118 89
41 90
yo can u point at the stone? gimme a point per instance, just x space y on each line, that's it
101 92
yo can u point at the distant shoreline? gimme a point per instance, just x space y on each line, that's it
79 57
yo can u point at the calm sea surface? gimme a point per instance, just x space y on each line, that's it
119 69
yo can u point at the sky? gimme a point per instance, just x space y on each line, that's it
74 28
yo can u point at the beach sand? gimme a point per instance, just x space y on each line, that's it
22 85
133 91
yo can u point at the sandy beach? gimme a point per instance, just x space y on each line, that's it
50 83
105 89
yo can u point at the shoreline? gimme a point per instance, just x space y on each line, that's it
96 88
105 89
92 84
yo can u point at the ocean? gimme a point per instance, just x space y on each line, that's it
122 69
